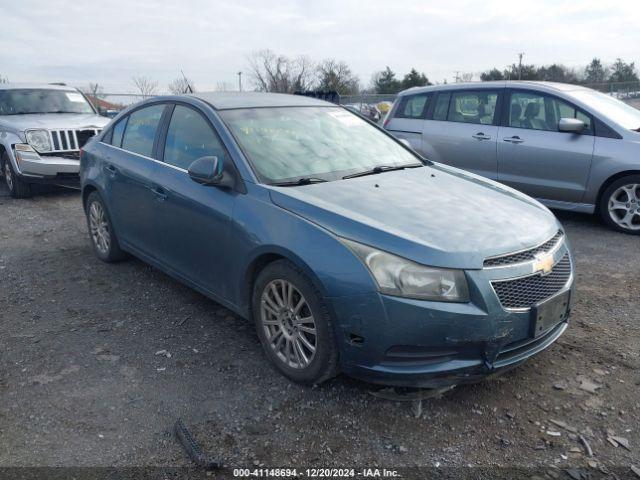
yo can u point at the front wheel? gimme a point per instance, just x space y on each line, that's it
620 205
17 188
294 324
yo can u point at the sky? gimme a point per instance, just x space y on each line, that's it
110 42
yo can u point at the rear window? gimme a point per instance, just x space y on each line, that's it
117 131
442 106
140 132
413 106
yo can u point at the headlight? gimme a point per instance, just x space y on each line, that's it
404 278
39 140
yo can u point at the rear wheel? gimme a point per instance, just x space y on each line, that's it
17 187
294 324
103 238
620 205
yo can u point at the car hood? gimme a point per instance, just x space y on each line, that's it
434 215
52 121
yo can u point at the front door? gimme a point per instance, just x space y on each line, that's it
537 159
193 219
463 130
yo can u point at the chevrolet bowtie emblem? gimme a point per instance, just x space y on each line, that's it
543 263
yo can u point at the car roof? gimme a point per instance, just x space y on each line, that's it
545 86
229 100
39 86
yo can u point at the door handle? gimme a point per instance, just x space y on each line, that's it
481 136
110 169
159 192
514 139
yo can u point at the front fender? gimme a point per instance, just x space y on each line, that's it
263 228
8 139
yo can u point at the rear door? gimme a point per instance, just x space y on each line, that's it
407 120
127 174
462 128
537 159
193 219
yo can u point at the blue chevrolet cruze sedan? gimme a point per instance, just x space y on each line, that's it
350 252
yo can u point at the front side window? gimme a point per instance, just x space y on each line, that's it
473 107
140 131
537 111
413 106
288 143
40 100
190 137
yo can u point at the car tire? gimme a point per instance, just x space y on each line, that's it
620 205
17 187
101 233
289 324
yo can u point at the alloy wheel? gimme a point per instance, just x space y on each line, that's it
624 206
8 176
288 324
99 227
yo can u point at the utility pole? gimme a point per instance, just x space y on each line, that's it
240 81
457 77
520 55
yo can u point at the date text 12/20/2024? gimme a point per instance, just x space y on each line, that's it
315 473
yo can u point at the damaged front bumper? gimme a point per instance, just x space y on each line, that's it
415 343
59 169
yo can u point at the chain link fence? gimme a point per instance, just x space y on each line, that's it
625 91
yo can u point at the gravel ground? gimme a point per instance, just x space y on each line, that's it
82 384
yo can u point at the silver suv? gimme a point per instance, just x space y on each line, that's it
570 147
42 129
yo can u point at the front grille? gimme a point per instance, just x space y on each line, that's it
528 291
71 140
525 255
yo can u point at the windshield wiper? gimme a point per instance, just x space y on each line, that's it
299 181
383 168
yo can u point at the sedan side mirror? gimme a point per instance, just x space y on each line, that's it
206 170
571 125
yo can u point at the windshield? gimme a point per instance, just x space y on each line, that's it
288 143
618 111
38 100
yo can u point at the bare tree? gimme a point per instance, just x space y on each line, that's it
145 86
277 73
95 90
181 85
466 77
337 76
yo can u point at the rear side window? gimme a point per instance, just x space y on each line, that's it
473 107
442 106
141 128
413 106
190 137
117 131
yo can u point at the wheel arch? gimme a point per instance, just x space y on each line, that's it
259 262
610 180
86 191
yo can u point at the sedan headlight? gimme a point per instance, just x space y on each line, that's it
404 278
39 140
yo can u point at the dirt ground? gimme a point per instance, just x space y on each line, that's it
82 384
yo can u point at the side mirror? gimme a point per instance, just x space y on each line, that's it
206 170
571 125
